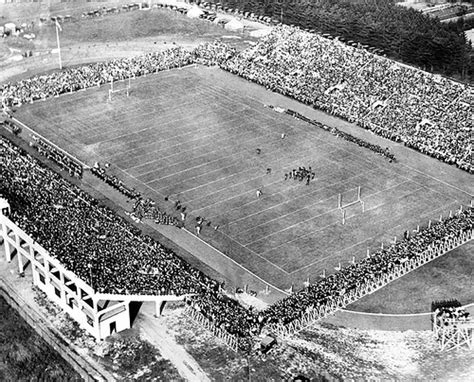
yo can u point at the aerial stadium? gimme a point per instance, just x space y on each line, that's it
263 186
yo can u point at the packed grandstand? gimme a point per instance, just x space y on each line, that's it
114 257
426 112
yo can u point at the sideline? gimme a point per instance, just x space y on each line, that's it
186 244
232 260
85 166
235 262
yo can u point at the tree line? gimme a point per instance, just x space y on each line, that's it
401 33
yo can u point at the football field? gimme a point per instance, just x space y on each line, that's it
204 137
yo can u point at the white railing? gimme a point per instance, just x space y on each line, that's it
314 314
229 339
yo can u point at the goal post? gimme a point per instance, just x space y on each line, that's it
115 88
342 207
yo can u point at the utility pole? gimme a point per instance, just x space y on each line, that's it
58 28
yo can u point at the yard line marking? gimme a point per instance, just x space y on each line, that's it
81 122
197 148
366 162
240 265
51 143
308 159
318 230
298 126
246 192
266 194
192 119
328 212
131 176
125 135
161 149
282 216
169 122
255 253
164 141
135 105
273 134
77 96
152 140
194 167
240 155
405 165
251 191
289 201
438 180
236 173
253 167
368 239
246 169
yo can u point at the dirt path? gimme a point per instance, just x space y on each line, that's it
153 330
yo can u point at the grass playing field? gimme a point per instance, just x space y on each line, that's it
193 134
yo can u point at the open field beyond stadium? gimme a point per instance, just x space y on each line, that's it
193 134
447 277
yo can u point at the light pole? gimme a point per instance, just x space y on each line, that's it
58 28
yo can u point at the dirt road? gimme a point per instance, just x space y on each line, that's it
153 330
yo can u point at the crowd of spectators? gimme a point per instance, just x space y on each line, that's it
448 312
72 79
101 248
449 315
10 126
346 136
428 113
243 323
77 78
213 53
89 239
143 208
113 257
424 111
382 262
114 182
147 209
58 156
